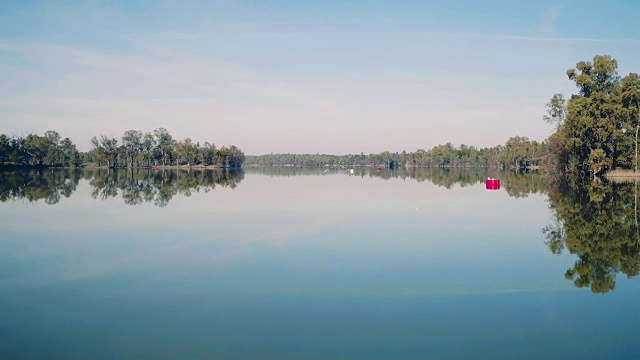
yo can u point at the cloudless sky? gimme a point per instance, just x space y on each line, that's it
301 76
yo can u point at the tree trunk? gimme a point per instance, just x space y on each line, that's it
637 126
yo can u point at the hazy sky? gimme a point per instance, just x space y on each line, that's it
301 76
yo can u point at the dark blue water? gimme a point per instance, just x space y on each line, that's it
298 265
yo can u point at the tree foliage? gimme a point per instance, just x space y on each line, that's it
596 128
160 148
36 150
134 149
518 152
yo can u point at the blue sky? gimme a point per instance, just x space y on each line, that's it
301 76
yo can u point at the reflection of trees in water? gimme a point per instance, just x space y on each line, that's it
136 186
148 186
598 222
47 185
516 184
287 171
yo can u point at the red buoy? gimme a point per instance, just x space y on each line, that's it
156 169
492 184
378 169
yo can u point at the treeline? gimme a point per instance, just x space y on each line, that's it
35 150
597 128
133 149
518 152
160 148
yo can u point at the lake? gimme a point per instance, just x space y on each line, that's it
295 263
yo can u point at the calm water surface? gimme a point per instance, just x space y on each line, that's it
315 264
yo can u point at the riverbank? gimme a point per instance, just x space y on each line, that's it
622 175
165 167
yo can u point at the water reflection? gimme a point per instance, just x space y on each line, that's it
597 221
516 184
49 186
159 187
135 187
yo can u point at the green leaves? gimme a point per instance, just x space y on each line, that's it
595 128
599 161
160 147
36 150
556 110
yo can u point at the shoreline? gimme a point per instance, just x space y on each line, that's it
161 167
622 175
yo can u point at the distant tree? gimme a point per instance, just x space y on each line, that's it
132 144
187 151
235 157
556 110
207 154
5 148
53 137
164 144
148 147
70 156
98 151
36 149
110 149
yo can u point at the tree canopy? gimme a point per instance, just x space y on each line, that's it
160 148
133 149
596 129
518 152
36 150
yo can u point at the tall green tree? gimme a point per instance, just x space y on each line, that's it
596 128
164 144
186 151
148 148
207 154
5 148
556 110
132 144
110 150
70 155
36 148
